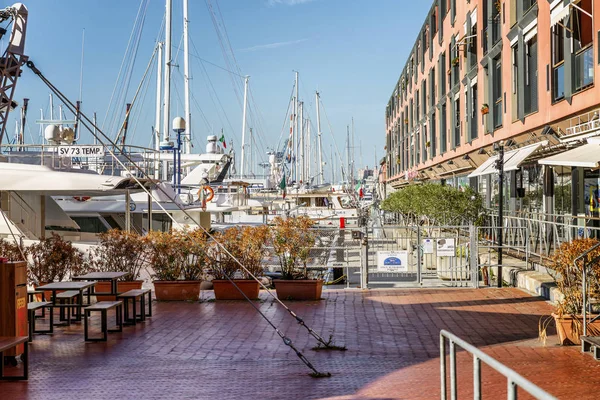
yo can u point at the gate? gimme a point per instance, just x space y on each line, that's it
400 256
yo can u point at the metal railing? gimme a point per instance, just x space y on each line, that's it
584 283
514 380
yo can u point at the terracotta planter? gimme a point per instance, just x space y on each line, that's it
485 111
224 289
122 287
177 290
306 289
570 328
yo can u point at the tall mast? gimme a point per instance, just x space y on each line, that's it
348 152
319 143
23 121
296 130
167 82
332 165
302 155
352 173
186 76
251 161
51 107
242 169
308 150
158 108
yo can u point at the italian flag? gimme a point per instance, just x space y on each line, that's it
222 140
283 186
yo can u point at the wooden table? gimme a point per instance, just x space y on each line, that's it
80 286
103 276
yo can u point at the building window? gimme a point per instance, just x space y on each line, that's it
443 138
558 62
424 97
497 93
474 114
456 141
432 143
432 87
531 76
424 143
472 48
417 106
442 83
582 27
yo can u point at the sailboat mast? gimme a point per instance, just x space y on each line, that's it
158 108
186 76
167 81
296 131
320 144
243 167
348 152
352 172
332 165
302 154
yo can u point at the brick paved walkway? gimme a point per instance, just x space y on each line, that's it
224 350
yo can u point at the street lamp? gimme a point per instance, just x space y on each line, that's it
500 168
178 128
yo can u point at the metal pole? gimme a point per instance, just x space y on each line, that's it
186 75
364 274
149 212
320 144
476 378
127 211
158 110
453 383
419 261
584 285
443 368
500 165
178 162
24 120
243 166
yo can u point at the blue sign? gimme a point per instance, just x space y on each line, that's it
392 261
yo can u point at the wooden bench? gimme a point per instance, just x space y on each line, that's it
69 297
591 344
103 307
7 343
31 309
134 295
32 297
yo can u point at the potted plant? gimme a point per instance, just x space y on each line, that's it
119 251
568 277
53 260
455 61
177 260
247 245
292 240
498 5
485 109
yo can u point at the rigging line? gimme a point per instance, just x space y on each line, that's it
140 111
212 99
133 102
285 121
334 142
202 61
210 62
85 121
131 36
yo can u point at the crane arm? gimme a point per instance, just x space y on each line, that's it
12 60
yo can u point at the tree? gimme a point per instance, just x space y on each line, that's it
439 204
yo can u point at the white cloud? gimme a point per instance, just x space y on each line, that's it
288 2
272 45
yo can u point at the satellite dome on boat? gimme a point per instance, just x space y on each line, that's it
179 124
211 138
52 134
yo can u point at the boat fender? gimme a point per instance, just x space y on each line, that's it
211 193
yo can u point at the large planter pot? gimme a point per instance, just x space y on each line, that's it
177 290
224 289
122 287
570 328
306 289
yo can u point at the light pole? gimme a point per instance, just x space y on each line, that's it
178 128
500 168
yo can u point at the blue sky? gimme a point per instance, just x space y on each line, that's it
352 51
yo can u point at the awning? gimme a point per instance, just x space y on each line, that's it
512 160
586 156
559 12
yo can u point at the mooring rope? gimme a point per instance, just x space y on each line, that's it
326 344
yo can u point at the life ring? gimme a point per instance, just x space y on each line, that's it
211 193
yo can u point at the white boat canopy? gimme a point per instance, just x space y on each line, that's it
512 160
43 180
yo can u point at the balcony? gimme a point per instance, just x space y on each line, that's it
584 68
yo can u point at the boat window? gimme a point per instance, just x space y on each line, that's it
90 224
321 202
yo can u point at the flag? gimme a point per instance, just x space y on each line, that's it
283 186
222 140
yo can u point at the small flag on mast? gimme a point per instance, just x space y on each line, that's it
283 186
222 140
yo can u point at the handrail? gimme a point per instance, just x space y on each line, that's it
515 380
584 282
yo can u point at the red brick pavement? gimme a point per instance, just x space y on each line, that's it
224 350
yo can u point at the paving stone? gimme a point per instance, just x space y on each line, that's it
225 350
